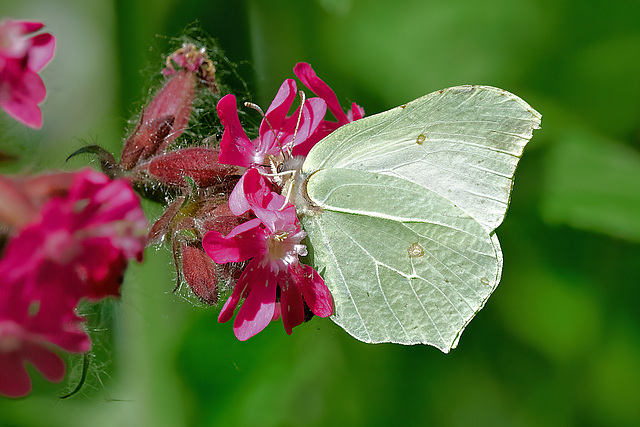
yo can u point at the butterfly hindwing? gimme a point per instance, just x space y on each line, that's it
403 264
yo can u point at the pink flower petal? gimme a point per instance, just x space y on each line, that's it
47 362
235 146
315 292
21 102
274 119
244 241
251 185
259 306
291 307
238 293
29 26
42 51
14 378
356 112
307 76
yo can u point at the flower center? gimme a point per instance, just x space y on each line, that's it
278 246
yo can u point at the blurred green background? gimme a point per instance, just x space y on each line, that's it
559 341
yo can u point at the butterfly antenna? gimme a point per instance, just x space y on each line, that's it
303 99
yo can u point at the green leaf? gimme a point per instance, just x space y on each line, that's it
402 208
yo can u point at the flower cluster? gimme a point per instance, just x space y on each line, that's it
68 236
274 283
22 56
273 243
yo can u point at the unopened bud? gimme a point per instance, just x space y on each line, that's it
162 226
164 120
198 163
199 272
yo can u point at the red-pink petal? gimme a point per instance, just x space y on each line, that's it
21 102
251 186
314 290
235 146
44 360
42 51
238 292
275 117
29 26
313 112
14 378
291 306
259 306
307 76
244 241
356 112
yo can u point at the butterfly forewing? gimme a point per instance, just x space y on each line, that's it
464 143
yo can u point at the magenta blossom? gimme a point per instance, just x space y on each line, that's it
305 73
30 331
81 230
277 133
273 243
85 237
21 58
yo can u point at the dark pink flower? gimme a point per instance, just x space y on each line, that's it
308 77
85 237
277 133
21 58
31 328
273 243
189 58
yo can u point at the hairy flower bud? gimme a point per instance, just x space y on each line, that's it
162 121
198 163
200 273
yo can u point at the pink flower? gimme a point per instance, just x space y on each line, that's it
30 329
188 57
272 242
85 237
277 132
305 73
81 230
21 58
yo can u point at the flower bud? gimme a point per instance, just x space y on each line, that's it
164 119
199 272
198 163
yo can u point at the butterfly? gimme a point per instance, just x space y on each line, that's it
401 208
